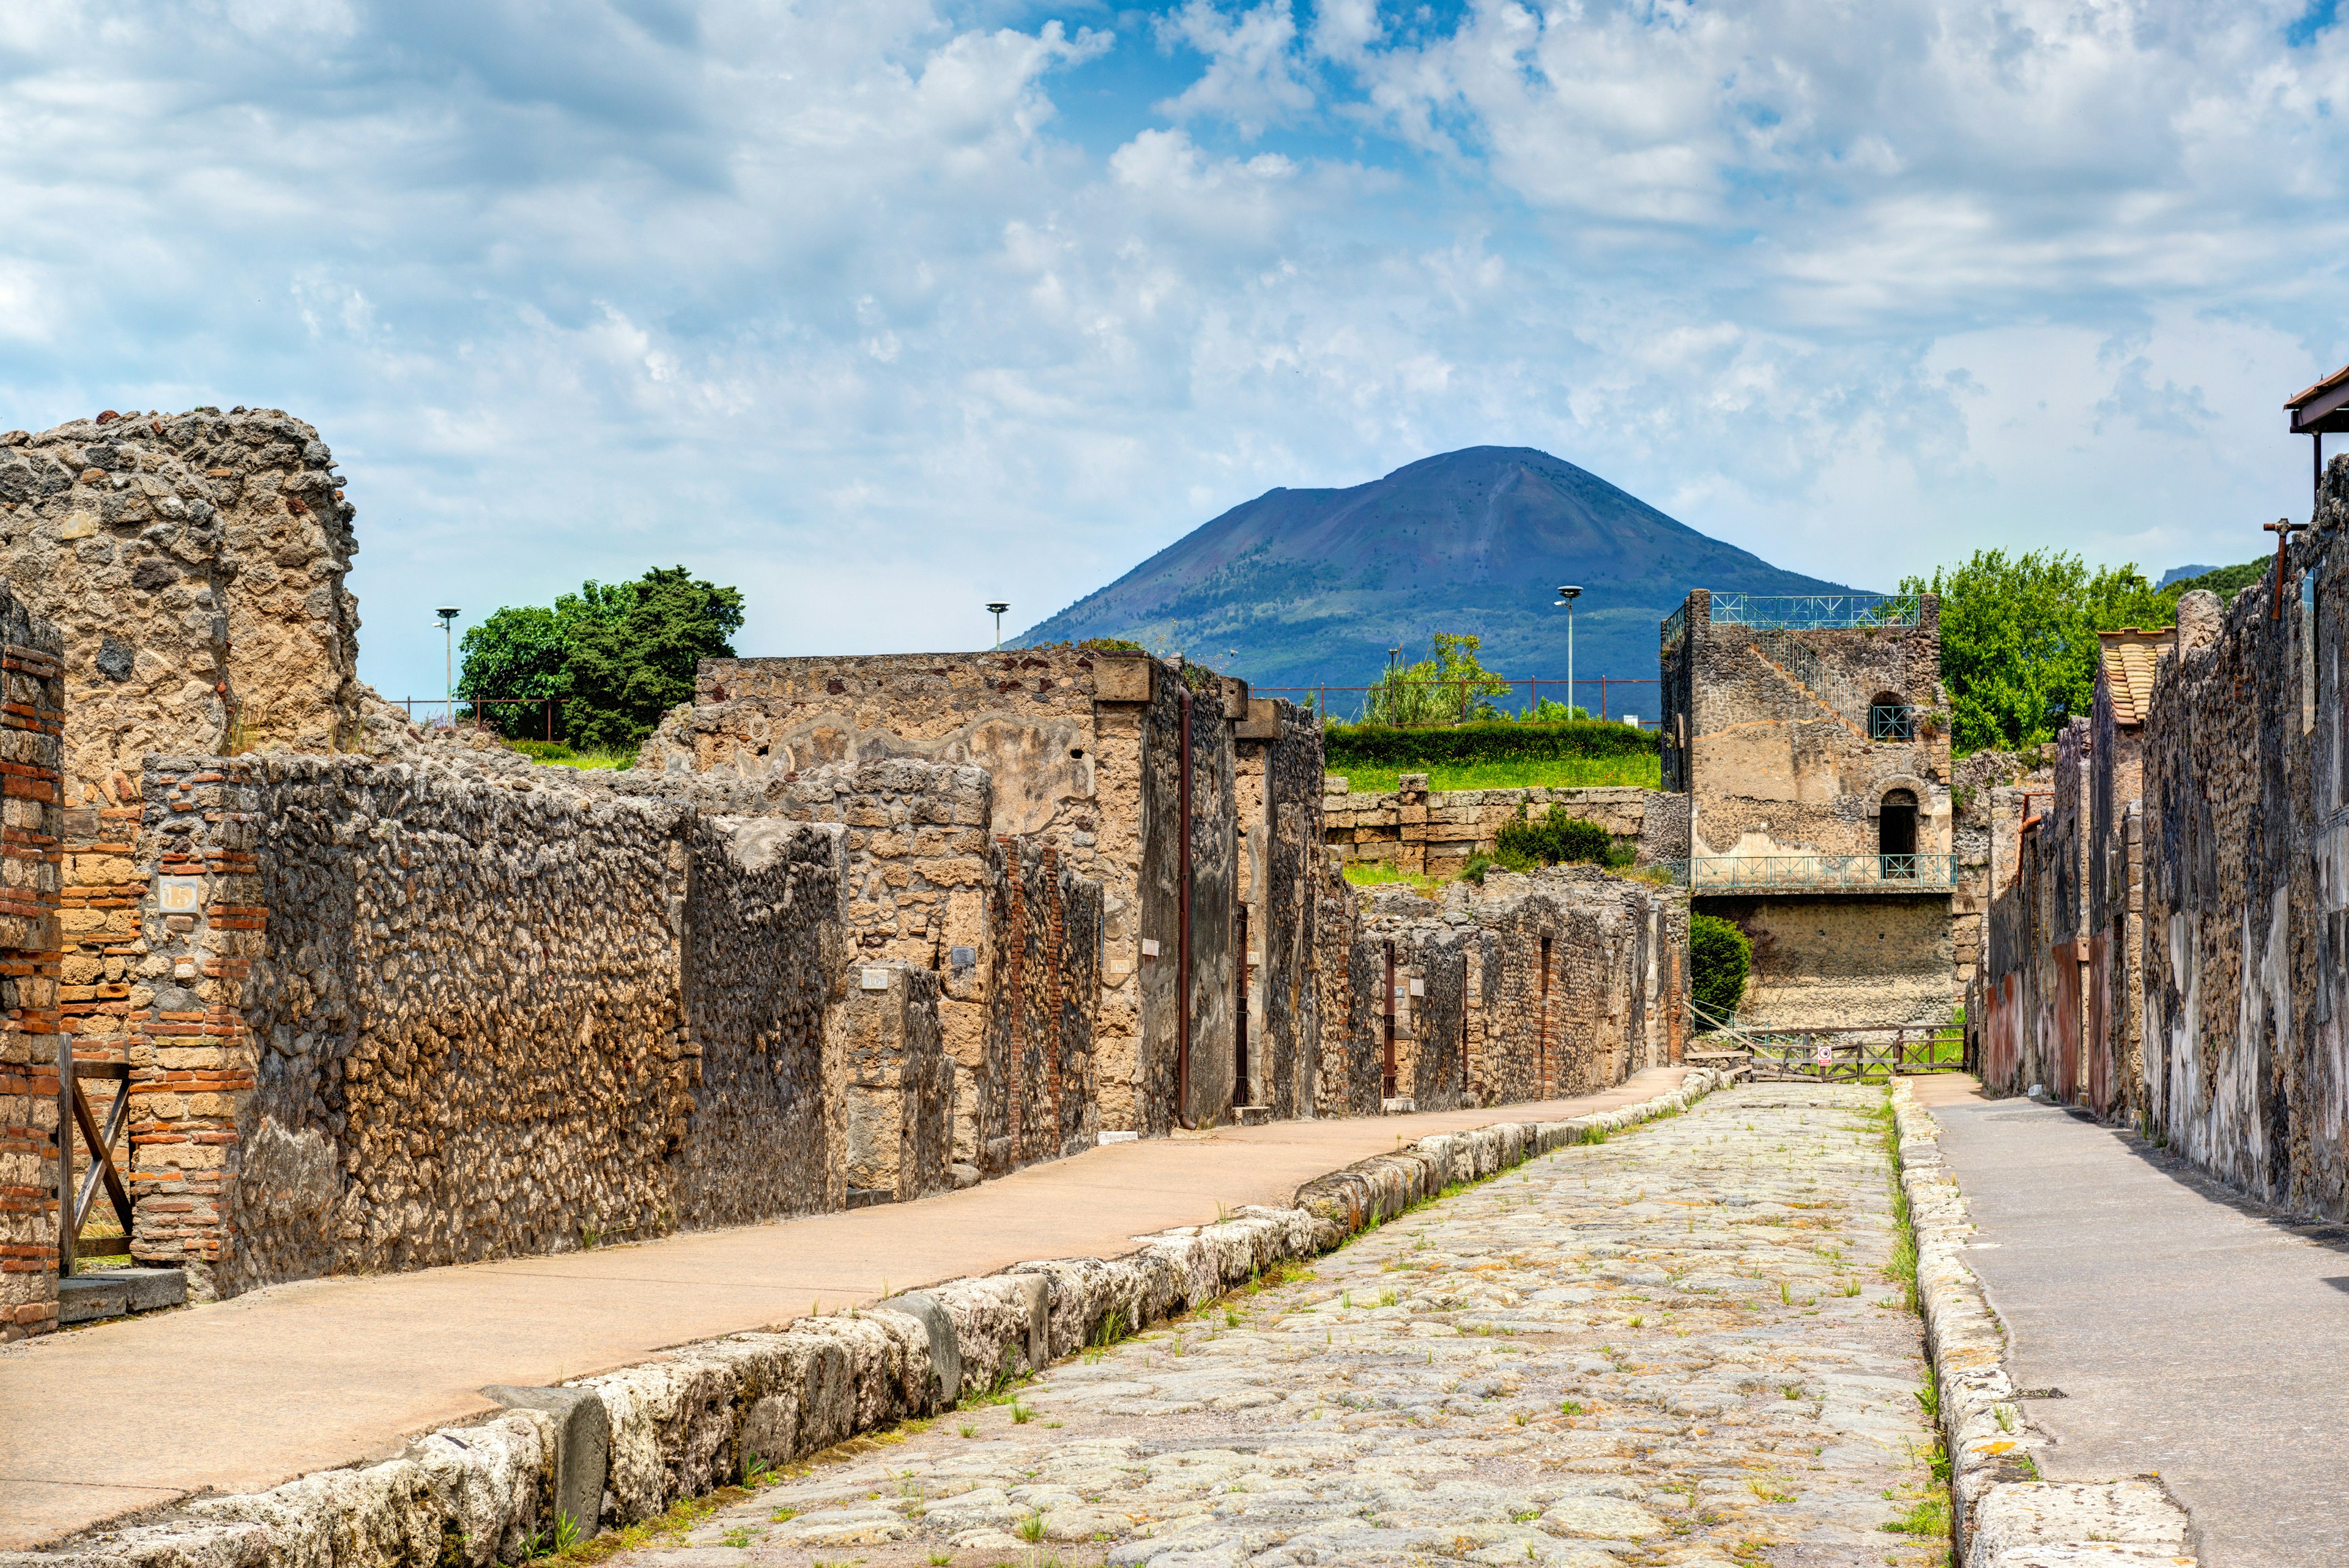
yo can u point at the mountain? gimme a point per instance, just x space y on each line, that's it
1316 584
2180 573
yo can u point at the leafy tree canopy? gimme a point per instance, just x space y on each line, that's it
2019 640
617 655
1720 958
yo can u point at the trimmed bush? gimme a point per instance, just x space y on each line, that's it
1387 745
1555 838
1720 958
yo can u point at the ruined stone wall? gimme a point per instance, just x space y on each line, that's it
2246 882
32 722
1436 832
1083 749
193 565
899 1086
1035 1094
1347 1072
1285 940
1528 987
417 1012
1779 759
1823 962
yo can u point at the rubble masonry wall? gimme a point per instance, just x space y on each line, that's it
416 1014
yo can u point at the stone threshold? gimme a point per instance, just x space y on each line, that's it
2004 1515
640 1439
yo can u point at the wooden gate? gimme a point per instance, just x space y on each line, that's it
74 1200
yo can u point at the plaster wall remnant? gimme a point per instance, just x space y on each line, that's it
2192 982
1437 832
1815 759
32 722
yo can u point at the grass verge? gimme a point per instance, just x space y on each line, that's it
1562 772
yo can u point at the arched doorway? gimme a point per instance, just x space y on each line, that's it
1895 835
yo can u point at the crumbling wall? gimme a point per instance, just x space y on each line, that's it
1034 1094
1347 1074
416 1013
1286 939
900 1087
32 720
1861 961
193 565
2246 882
1437 832
1525 988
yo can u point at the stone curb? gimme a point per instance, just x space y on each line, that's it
487 1491
2004 1519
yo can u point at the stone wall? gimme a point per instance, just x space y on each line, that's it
1285 939
2245 883
1525 988
1085 754
1035 1094
421 1012
193 565
1436 832
32 720
900 1087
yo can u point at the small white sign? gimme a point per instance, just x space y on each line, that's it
1119 1136
1150 947
1632 720
180 895
1419 988
1823 1055
875 979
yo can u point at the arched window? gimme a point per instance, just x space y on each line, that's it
1895 834
1890 719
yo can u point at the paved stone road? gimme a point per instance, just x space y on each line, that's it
1671 1348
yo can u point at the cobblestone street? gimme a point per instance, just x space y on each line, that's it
1680 1346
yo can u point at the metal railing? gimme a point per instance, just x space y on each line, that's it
1891 722
1809 873
1803 612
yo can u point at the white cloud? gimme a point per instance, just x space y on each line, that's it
863 308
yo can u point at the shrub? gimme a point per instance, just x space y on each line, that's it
1557 838
1387 745
1720 958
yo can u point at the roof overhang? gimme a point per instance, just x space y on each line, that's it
2324 408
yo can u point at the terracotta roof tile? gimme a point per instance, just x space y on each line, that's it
2131 657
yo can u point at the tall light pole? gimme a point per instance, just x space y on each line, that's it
996 608
448 613
1566 593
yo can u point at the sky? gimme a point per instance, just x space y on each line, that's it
881 310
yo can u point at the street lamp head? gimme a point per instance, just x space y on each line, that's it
1566 593
448 612
997 607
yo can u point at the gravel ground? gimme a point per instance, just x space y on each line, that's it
1678 1346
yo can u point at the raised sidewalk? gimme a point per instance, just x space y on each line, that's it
2194 1333
245 1393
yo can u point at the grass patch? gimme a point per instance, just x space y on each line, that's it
1378 874
1644 771
556 753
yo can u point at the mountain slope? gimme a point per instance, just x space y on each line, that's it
1316 584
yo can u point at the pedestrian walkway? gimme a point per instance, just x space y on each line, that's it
1677 1349
2192 1333
248 1393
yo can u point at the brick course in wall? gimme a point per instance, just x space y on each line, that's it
32 718
1437 832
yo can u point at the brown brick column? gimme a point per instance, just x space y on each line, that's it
32 798
190 1053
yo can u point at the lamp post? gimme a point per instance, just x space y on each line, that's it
448 613
1566 593
996 608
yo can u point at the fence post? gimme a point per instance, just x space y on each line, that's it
1602 698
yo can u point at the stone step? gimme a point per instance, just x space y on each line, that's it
1252 1115
118 1292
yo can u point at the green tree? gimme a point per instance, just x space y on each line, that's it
617 655
1720 958
1453 687
2019 640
